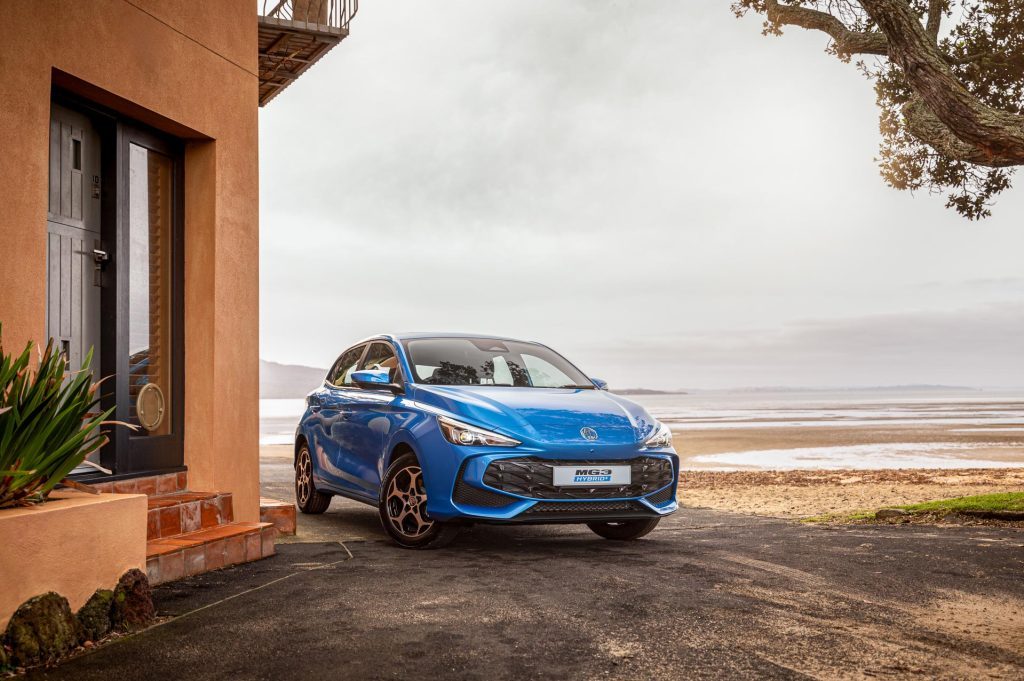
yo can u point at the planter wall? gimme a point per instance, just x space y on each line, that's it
74 544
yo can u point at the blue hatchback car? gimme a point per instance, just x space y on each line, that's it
440 431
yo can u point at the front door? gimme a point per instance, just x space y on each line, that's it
115 276
370 418
333 432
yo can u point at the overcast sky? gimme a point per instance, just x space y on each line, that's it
652 188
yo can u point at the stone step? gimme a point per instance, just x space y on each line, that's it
151 484
281 513
180 512
193 553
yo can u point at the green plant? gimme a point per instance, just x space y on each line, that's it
1001 501
49 422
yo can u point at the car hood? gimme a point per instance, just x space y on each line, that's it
549 415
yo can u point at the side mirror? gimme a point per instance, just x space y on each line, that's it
599 384
375 379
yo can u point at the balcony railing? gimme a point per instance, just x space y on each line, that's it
326 15
294 35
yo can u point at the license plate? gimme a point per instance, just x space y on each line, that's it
591 476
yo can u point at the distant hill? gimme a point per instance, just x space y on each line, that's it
644 391
288 380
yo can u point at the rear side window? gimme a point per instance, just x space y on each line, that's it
382 356
341 372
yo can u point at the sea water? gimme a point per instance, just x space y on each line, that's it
970 412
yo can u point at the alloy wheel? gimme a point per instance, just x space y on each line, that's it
304 478
406 503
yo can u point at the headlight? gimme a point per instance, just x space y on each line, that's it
661 438
459 433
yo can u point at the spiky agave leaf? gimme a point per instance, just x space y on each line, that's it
49 422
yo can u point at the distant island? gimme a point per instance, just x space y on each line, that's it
281 381
645 391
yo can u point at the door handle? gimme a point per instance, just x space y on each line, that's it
101 258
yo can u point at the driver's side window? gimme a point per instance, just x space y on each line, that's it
382 356
341 372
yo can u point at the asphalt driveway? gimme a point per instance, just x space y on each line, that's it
707 595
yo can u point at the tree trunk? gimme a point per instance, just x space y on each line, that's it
997 137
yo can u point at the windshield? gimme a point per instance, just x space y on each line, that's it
483 361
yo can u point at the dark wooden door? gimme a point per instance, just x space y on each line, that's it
76 253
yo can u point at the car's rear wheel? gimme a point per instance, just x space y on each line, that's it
624 530
403 508
307 497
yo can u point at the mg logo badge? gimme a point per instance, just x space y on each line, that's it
588 434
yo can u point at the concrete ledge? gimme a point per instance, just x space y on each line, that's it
73 544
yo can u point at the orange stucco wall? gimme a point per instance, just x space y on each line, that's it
189 68
107 531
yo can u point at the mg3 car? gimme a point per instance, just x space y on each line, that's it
441 431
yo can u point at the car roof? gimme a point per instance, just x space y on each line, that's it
412 335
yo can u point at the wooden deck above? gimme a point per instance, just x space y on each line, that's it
294 35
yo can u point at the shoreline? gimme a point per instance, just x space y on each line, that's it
981 459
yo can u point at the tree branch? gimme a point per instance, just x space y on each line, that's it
935 9
998 135
847 42
924 126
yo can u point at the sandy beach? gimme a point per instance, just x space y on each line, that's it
802 494
817 492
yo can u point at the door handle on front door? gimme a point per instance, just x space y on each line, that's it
101 258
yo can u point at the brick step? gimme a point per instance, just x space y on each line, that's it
150 484
180 512
280 513
213 548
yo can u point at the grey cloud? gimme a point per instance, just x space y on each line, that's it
977 347
597 175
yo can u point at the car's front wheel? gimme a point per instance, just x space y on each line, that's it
625 529
403 508
307 497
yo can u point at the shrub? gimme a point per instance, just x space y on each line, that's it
49 422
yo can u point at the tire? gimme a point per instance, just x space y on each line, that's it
624 530
307 497
403 508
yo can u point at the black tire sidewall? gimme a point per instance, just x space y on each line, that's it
437 536
318 501
627 531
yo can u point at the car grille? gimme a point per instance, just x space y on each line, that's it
661 497
532 477
596 507
474 496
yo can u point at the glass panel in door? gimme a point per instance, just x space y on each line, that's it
150 287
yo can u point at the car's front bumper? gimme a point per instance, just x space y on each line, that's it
515 486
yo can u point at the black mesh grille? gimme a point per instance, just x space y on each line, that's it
661 497
582 507
474 496
532 477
